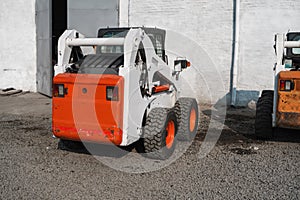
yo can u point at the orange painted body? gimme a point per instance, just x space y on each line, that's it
288 107
85 113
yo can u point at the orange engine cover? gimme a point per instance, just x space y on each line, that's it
288 105
84 112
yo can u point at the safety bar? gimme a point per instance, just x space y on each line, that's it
292 44
95 41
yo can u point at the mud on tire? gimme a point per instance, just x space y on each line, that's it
263 119
160 133
188 117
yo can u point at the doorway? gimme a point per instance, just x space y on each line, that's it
59 24
53 17
51 22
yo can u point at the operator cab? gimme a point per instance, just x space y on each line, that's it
109 58
292 58
156 35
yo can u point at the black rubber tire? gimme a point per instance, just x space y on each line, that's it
268 93
183 108
155 134
263 119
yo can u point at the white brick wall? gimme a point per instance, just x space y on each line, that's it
210 25
260 21
18 44
201 30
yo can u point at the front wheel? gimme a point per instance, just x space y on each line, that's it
188 117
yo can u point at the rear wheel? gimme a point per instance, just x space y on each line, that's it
269 93
188 117
160 133
263 120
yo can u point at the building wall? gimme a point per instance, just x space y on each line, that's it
200 30
18 44
260 21
210 25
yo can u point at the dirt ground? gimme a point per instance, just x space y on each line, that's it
238 167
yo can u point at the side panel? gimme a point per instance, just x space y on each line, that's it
44 45
89 15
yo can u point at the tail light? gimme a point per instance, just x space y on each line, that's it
286 85
112 93
59 90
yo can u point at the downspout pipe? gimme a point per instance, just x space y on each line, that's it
235 54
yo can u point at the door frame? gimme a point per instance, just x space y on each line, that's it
44 41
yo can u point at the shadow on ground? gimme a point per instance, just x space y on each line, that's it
239 127
94 149
238 130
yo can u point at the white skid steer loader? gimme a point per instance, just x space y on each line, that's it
118 88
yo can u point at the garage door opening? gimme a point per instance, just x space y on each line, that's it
59 24
53 17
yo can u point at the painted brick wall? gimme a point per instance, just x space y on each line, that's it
260 21
208 24
18 45
200 30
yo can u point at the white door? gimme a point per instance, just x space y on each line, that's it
89 15
44 46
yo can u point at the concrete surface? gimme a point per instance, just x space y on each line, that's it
239 167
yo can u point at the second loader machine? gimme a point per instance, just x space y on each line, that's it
119 88
281 107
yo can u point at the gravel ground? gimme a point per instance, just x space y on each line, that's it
239 167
